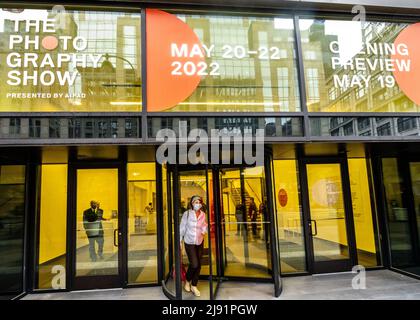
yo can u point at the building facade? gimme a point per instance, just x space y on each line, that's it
90 96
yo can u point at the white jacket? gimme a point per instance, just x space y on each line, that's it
193 229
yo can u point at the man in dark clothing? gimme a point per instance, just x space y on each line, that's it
263 210
240 221
253 215
92 222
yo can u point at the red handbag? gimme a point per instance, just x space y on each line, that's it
183 271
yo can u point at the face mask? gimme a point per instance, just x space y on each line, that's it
197 206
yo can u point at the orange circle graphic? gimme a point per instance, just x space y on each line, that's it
282 196
49 42
164 31
408 81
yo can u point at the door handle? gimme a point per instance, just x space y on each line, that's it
116 235
316 227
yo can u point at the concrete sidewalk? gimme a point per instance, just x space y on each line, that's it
380 284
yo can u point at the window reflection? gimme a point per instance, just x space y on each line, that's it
365 126
69 128
264 78
12 209
85 61
274 127
339 55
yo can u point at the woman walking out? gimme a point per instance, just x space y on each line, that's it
193 227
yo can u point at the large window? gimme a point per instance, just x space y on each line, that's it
367 252
364 126
402 199
70 128
52 228
221 63
70 61
142 223
228 126
354 66
12 212
289 216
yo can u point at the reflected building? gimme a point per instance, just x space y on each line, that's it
263 79
116 80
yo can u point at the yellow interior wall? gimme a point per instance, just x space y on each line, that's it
253 187
228 203
141 171
141 189
288 217
362 210
53 212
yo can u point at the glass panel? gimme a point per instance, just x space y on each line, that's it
326 204
97 222
364 126
259 260
289 217
248 65
192 183
274 127
51 265
70 61
69 128
415 185
233 218
169 222
402 251
362 212
165 219
211 218
354 66
12 215
142 232
97 152
245 222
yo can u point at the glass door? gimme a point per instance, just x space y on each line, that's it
245 223
12 216
97 233
171 285
415 187
329 217
240 243
181 186
401 187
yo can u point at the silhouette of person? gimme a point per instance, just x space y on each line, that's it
253 216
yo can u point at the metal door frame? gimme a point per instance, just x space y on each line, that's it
96 282
174 187
334 265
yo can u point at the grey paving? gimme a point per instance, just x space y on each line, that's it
380 284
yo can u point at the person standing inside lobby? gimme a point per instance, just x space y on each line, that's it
253 217
92 222
193 227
